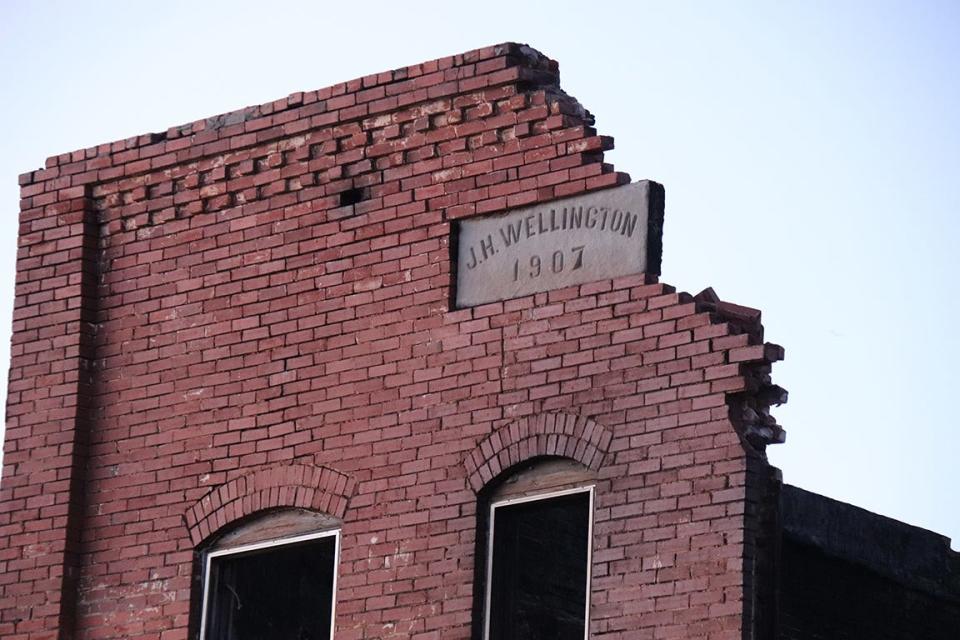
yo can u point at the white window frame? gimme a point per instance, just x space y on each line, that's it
532 498
279 542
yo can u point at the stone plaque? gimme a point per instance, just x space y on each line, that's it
599 235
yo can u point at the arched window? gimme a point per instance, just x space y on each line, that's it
272 576
536 531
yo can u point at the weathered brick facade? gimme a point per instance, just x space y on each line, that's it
254 311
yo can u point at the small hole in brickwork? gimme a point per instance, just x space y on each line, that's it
351 196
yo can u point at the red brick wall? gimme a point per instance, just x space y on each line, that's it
202 331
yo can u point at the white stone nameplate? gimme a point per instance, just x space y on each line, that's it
595 236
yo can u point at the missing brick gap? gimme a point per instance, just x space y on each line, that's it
351 196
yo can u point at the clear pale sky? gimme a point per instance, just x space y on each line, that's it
810 153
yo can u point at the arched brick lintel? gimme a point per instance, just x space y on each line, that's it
308 487
549 434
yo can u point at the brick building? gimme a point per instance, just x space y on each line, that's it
248 397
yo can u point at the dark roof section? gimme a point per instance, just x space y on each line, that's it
915 557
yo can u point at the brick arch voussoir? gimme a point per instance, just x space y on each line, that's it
548 434
298 486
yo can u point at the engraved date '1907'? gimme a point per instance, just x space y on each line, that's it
557 262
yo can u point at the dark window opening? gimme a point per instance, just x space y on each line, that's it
272 591
539 569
